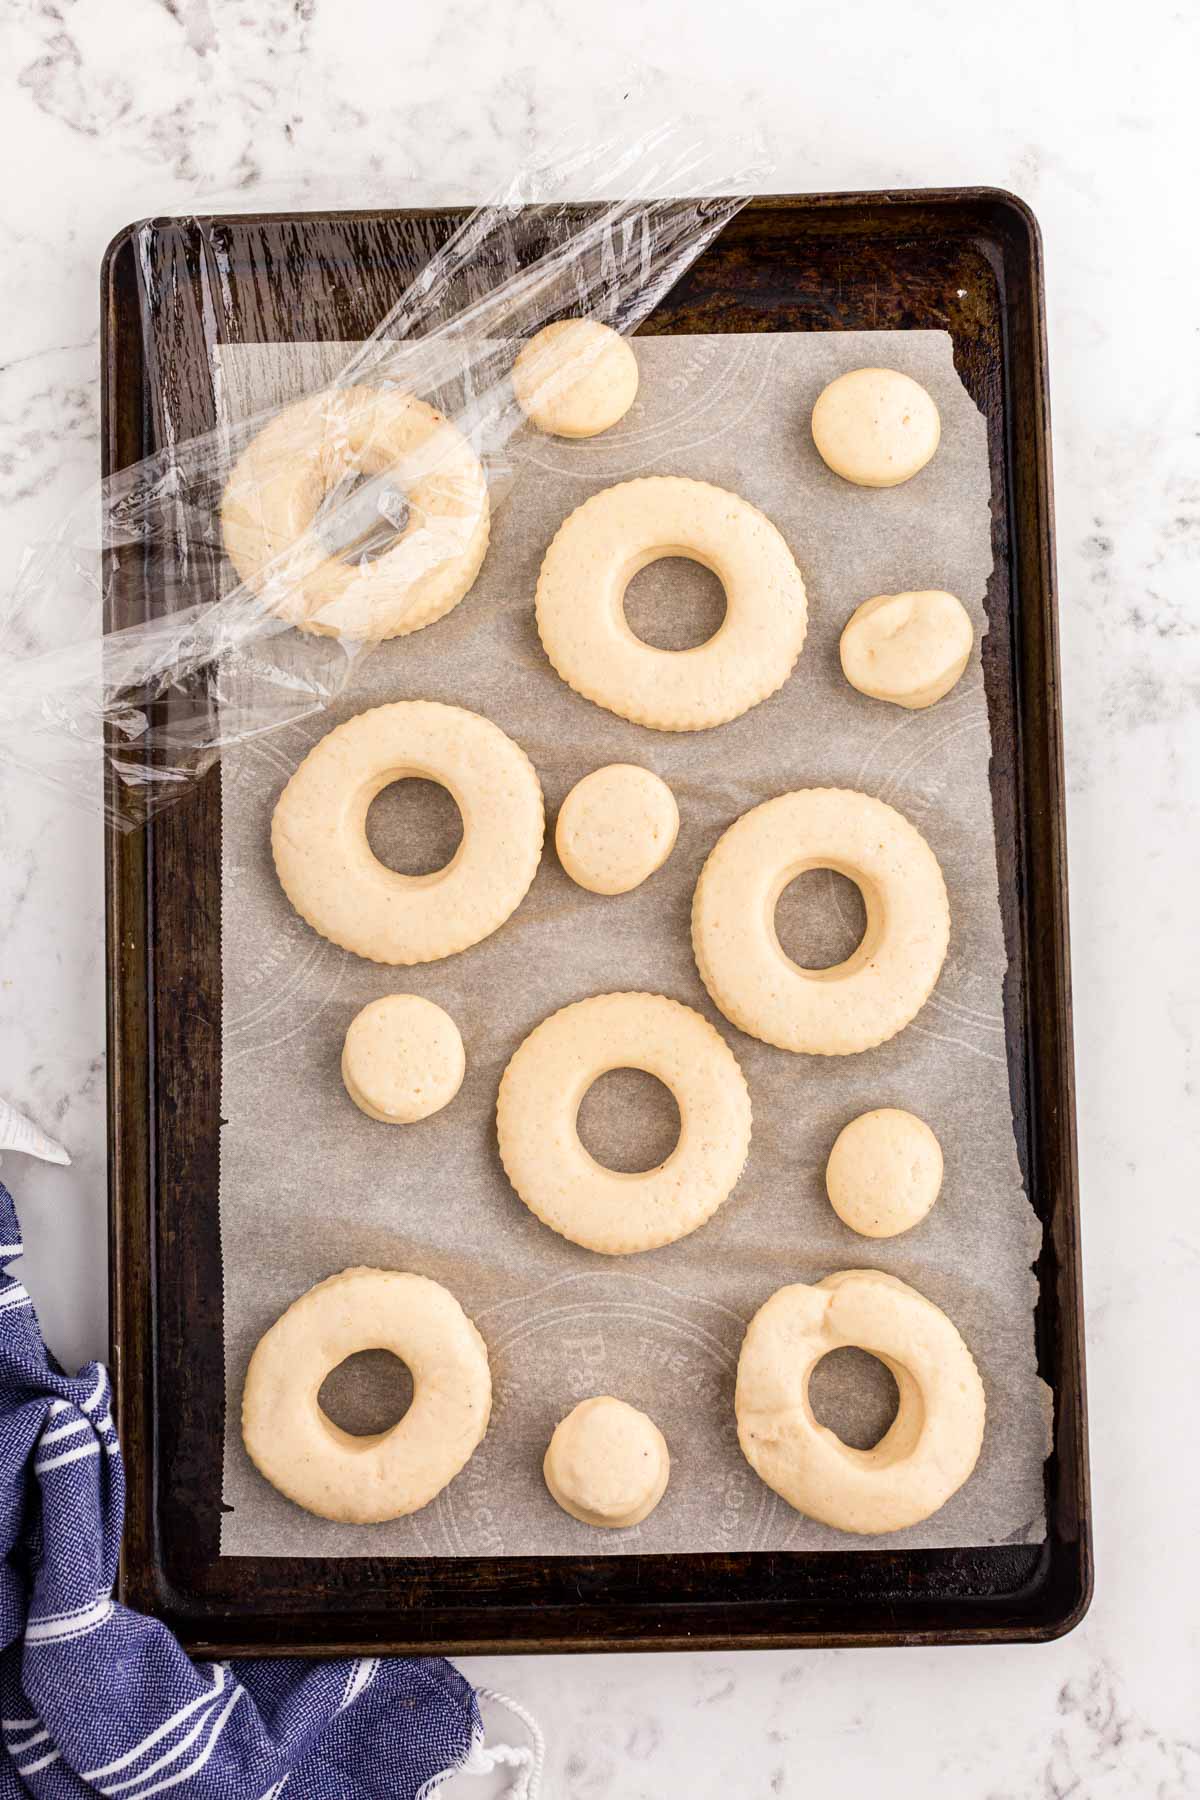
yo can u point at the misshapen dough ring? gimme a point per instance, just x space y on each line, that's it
285 473
877 990
331 876
932 1444
876 427
598 551
363 1480
540 1095
403 1059
575 378
908 648
884 1172
615 828
607 1463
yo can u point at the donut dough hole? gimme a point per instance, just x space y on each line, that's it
607 1464
884 1172
603 544
881 986
932 1444
540 1094
908 648
331 1472
303 455
327 868
875 427
403 1059
615 828
575 378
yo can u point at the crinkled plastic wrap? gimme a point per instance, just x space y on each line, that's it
231 583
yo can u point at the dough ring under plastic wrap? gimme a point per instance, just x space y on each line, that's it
601 547
288 470
331 1472
539 1100
877 990
335 881
932 1444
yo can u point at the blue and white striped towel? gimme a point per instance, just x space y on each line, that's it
96 1699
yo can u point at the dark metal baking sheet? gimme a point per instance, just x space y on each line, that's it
967 261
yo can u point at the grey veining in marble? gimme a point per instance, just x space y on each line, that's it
114 109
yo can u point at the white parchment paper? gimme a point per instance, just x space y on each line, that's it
310 1186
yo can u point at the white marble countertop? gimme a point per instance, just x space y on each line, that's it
113 111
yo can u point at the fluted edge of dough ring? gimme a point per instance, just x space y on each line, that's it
726 984
266 516
303 857
659 715
419 617
529 1174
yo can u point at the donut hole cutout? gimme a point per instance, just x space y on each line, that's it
628 1121
414 826
367 1394
855 1396
675 603
360 517
820 919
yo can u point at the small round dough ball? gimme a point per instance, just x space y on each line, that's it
575 378
403 1059
615 828
607 1463
907 648
875 427
884 1173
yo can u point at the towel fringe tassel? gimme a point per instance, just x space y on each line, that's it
529 1760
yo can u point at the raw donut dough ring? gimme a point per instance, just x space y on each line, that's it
875 427
403 1059
540 1094
615 828
884 1172
881 986
598 550
335 882
908 648
364 1480
575 378
932 1444
304 453
607 1464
